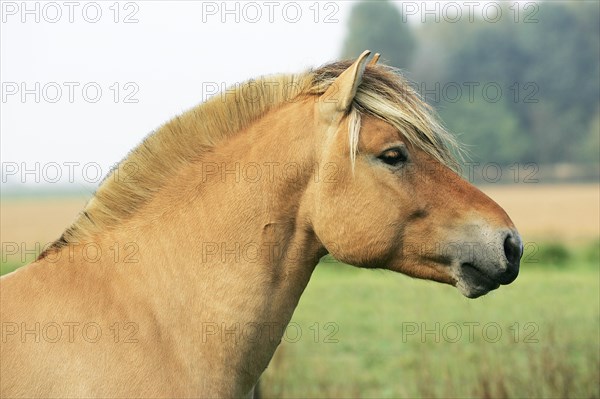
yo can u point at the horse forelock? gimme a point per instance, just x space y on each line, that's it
385 94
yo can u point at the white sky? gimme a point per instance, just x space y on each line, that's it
173 50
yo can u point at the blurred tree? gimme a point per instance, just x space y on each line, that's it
549 71
489 131
378 26
565 65
547 64
436 44
589 148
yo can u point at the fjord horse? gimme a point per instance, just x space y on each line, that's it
215 223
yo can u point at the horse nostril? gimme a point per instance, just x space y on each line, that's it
513 249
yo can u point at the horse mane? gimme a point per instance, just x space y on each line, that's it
383 93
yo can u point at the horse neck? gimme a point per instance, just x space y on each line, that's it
228 240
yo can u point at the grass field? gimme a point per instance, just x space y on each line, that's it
366 333
391 336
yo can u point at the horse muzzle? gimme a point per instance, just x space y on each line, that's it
482 267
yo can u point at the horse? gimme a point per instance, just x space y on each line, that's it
180 275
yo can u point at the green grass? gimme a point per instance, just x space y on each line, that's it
8 267
555 354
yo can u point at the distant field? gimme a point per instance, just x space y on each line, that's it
37 219
556 212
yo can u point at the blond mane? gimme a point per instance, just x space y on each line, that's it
135 181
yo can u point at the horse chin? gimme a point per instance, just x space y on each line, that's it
472 283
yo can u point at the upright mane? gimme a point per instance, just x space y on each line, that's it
383 93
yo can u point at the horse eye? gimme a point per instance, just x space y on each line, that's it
394 156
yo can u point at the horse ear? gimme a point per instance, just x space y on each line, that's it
374 60
338 97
